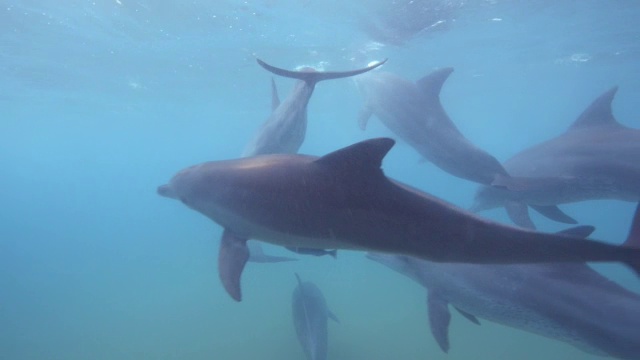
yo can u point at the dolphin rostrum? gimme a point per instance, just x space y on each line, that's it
343 200
413 111
283 132
310 314
566 302
596 158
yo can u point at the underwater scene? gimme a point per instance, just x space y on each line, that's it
300 179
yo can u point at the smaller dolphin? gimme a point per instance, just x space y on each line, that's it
596 158
315 252
566 302
284 131
310 314
257 255
413 112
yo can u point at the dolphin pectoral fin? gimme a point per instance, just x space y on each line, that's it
468 316
519 214
554 213
333 316
439 319
232 258
364 116
275 99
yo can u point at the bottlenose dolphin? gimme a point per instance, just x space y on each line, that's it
283 132
596 158
343 200
566 302
257 254
413 112
310 314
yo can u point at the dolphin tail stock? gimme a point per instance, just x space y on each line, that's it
313 77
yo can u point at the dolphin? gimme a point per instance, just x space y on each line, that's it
310 314
257 254
596 158
343 200
284 131
566 302
414 113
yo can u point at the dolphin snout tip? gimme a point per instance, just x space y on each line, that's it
166 191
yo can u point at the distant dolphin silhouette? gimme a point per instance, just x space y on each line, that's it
413 112
566 302
343 201
310 314
596 158
284 131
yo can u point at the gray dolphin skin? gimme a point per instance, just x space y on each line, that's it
257 254
566 302
343 200
596 158
413 111
284 131
310 314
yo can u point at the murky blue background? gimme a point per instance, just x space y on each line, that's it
102 101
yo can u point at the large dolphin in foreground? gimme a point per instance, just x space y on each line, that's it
596 158
413 112
310 314
567 302
343 200
284 131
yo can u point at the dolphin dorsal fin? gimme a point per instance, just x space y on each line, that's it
598 113
366 155
431 84
275 99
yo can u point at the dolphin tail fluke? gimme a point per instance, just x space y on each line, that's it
312 77
232 258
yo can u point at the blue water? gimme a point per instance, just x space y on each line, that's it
102 101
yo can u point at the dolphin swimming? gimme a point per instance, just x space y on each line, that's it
414 113
284 131
310 314
343 200
566 302
596 158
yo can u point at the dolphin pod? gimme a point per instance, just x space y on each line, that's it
343 200
567 302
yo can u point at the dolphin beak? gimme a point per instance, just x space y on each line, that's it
166 191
